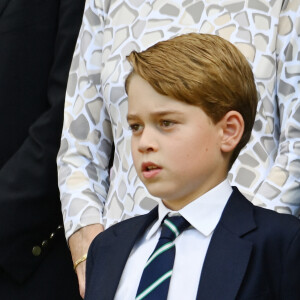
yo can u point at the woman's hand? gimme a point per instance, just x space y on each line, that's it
79 244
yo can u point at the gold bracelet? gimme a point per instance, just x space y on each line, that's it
79 261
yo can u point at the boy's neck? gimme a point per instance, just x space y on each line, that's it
178 204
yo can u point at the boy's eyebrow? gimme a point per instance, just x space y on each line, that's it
157 113
131 117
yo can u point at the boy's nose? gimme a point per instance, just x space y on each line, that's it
147 142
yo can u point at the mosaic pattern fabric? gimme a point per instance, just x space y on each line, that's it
268 169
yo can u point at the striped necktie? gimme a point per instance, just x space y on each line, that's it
157 273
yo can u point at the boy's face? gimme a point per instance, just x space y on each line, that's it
175 146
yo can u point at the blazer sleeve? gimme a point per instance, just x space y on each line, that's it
86 142
30 207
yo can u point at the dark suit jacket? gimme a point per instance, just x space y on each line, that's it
37 40
254 254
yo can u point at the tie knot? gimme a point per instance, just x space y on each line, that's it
173 226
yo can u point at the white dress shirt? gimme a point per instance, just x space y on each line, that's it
191 246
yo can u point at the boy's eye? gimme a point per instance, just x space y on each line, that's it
135 127
166 123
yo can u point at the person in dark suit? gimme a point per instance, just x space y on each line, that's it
191 108
37 40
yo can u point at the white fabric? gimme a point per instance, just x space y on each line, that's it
191 246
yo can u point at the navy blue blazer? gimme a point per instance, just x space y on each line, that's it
254 253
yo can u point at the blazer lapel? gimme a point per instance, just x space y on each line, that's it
125 235
228 254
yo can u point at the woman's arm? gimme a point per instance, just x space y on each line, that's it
282 184
86 141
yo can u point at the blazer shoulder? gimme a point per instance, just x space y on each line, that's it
278 219
241 216
278 225
126 227
264 216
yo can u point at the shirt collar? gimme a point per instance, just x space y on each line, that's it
203 213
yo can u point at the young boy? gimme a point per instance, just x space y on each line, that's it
192 104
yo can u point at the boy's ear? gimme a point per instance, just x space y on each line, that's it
232 128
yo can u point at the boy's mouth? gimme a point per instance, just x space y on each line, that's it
150 170
149 166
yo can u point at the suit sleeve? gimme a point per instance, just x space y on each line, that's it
28 181
86 143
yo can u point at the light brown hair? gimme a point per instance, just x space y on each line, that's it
203 70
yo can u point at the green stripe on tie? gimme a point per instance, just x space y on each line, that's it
172 227
154 285
159 251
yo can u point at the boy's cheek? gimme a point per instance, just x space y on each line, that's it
133 151
135 161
